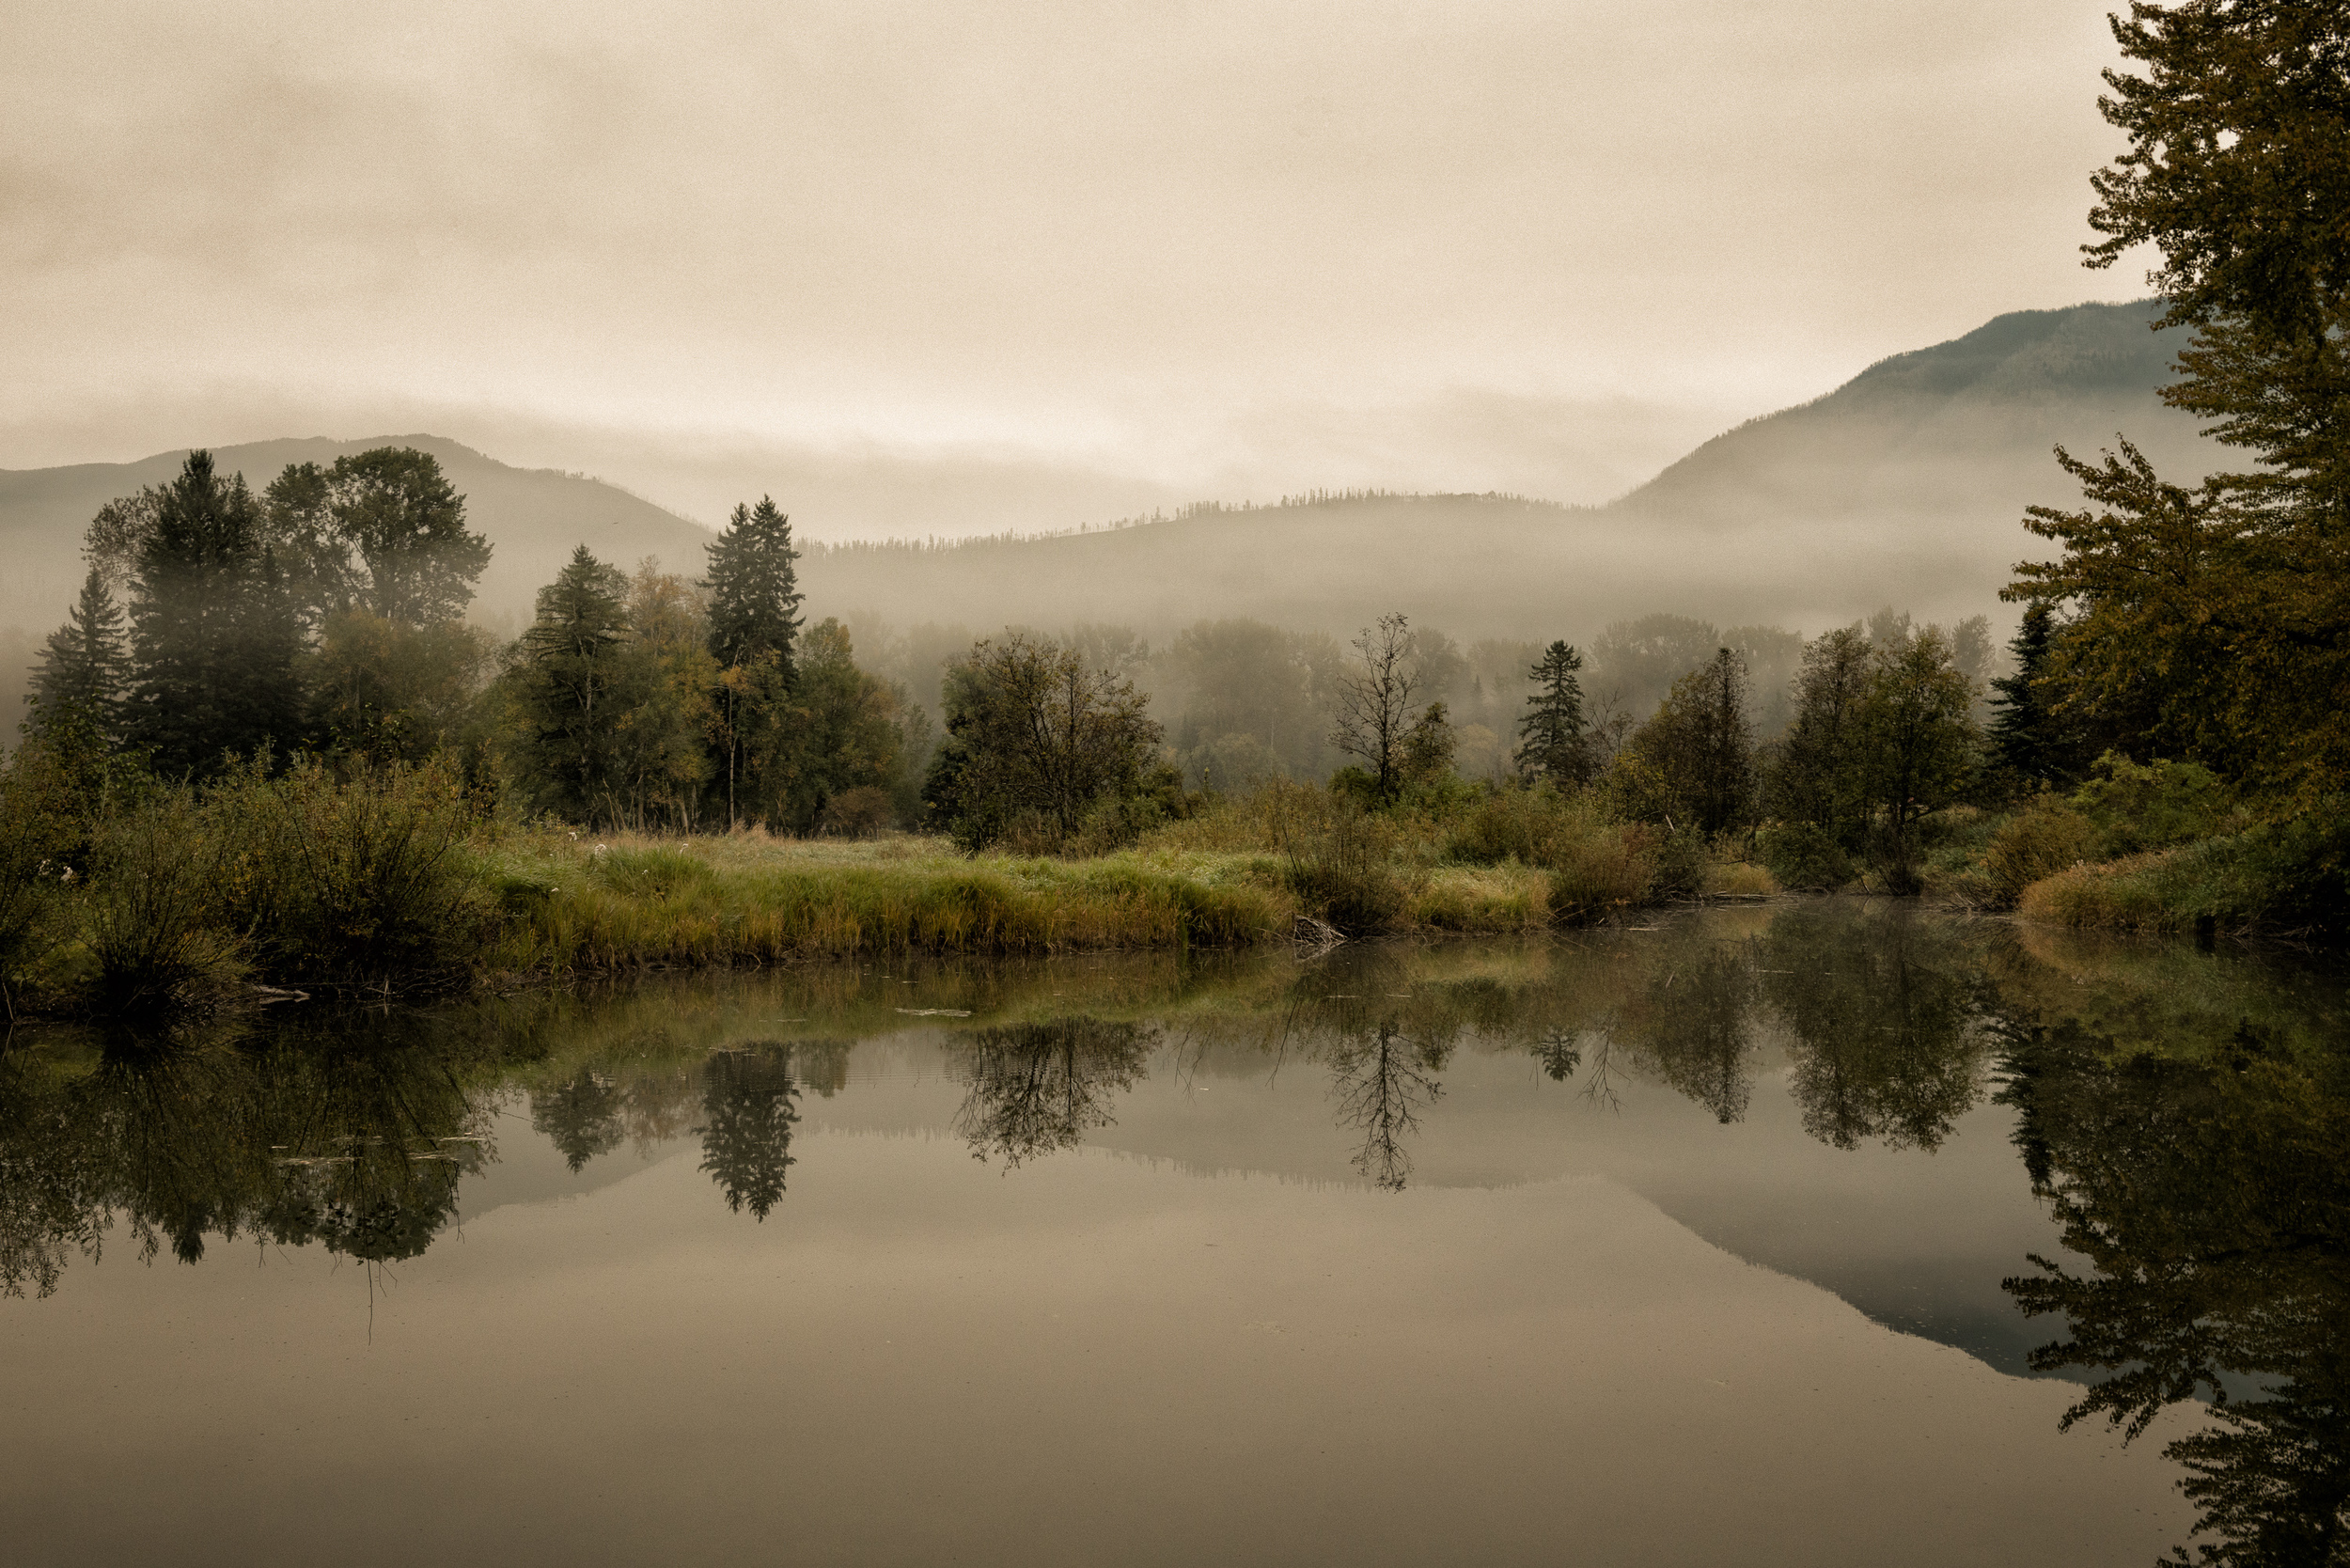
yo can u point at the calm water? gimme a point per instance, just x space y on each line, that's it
1713 1241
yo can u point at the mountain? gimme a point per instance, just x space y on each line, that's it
532 517
1906 486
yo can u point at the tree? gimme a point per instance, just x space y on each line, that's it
1374 702
383 690
215 632
1701 743
1815 774
565 681
1034 736
661 703
753 619
82 679
1429 747
397 511
2219 614
841 732
2027 737
1920 745
1551 742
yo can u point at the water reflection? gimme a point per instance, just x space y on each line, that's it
1038 1088
1381 1079
750 1105
2211 1198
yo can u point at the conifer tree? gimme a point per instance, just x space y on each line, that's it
215 632
2024 725
82 681
754 623
571 666
1551 740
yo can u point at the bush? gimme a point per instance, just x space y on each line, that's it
1337 857
2139 807
153 919
1681 863
2044 838
860 813
1804 855
37 831
348 880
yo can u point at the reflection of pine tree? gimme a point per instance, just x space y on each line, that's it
749 1107
580 1116
1037 1087
2211 1201
1559 1055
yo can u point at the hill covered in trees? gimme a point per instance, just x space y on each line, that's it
533 518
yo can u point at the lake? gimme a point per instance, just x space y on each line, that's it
1732 1235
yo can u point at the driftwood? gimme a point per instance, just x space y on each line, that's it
1313 933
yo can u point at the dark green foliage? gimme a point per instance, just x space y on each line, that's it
754 589
1816 776
1920 749
1551 740
418 562
215 629
1804 855
564 688
84 677
1700 747
2029 739
1428 748
151 918
1035 741
749 1107
39 828
836 731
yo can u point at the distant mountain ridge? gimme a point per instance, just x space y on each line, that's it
1903 486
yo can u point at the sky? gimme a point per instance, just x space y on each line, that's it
953 268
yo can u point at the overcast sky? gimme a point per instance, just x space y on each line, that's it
974 263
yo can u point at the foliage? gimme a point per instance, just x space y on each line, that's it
1816 775
1035 741
386 690
2028 738
1803 855
418 562
753 626
2046 836
1700 747
38 832
564 687
1919 748
1552 745
2147 807
151 919
1338 858
215 629
82 679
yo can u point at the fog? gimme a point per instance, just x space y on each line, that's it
949 269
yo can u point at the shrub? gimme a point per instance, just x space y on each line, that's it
2042 840
360 880
37 831
860 813
153 919
2147 807
1804 855
1337 857
1681 863
1594 876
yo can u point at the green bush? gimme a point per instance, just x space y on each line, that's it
1337 858
152 918
1804 855
1680 863
350 881
1593 877
2152 806
37 832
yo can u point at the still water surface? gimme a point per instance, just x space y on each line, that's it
1705 1242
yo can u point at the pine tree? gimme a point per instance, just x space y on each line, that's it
2024 728
754 622
214 631
570 664
84 676
1551 740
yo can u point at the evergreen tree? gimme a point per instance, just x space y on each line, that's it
571 666
2024 726
215 631
83 678
754 622
1551 740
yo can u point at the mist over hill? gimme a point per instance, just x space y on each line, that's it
1905 486
534 519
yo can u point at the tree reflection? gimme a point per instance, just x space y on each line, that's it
2213 1203
749 1108
1381 1079
1884 1021
1038 1088
183 1140
581 1115
1693 1027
